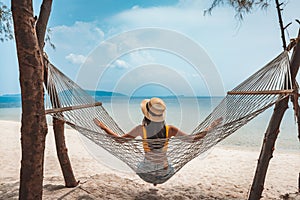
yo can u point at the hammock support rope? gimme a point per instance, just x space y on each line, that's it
259 92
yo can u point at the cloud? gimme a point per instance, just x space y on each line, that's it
236 54
133 59
80 37
186 16
76 59
231 45
120 64
154 75
73 44
135 7
141 57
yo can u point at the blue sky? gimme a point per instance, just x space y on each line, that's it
235 49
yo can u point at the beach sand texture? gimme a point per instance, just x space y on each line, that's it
224 173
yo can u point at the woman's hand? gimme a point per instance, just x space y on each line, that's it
214 124
100 124
200 135
117 138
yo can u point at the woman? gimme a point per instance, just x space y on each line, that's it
155 167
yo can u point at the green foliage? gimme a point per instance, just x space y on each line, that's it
241 7
6 32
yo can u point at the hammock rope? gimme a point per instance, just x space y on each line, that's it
70 103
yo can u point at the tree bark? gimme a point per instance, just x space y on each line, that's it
267 150
280 23
58 125
62 153
41 24
295 60
271 134
61 148
34 127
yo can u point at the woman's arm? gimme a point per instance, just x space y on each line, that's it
213 125
131 134
174 131
103 127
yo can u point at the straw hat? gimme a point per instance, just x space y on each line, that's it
154 109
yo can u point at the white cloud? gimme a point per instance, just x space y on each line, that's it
120 64
186 16
73 43
76 59
236 54
140 57
133 59
80 38
155 74
231 45
135 7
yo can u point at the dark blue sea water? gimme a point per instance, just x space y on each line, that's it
10 101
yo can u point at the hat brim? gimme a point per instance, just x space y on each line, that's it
148 115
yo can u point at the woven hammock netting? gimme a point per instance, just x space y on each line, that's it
235 109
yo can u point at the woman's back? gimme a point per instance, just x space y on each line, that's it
155 142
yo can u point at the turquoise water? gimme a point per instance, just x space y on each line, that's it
10 114
187 113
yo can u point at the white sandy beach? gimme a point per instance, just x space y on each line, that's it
223 174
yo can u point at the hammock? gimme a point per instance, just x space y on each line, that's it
72 104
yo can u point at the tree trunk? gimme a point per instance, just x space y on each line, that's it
62 153
58 125
61 148
295 61
267 150
34 127
271 134
41 24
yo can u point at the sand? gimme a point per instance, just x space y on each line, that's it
224 173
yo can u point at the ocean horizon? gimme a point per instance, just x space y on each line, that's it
183 112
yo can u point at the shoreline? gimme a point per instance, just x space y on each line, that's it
228 143
224 173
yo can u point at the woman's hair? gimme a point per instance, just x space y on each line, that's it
154 129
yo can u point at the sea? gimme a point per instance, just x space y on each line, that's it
185 113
